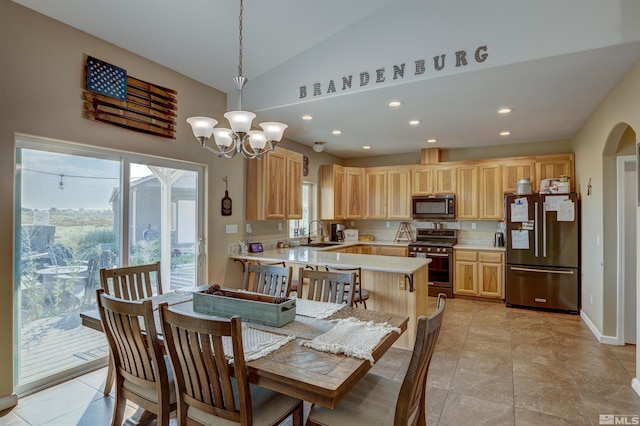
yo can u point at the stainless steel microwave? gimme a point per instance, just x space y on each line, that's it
434 207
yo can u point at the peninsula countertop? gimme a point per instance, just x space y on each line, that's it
319 256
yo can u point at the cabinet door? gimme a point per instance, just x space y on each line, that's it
376 190
399 194
294 183
444 180
421 181
332 192
491 274
276 187
491 205
354 187
554 167
467 194
393 251
466 278
515 170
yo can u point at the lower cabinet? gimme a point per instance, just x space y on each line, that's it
479 273
399 251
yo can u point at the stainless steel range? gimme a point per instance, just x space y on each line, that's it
437 245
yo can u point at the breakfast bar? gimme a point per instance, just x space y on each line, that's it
395 284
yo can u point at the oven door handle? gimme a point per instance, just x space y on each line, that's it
437 255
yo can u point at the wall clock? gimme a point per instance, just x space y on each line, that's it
226 201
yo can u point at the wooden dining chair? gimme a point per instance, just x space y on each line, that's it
267 279
360 295
324 286
129 283
143 374
293 283
370 400
132 282
207 392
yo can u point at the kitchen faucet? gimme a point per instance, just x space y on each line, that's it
309 235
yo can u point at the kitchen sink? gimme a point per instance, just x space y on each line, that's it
323 244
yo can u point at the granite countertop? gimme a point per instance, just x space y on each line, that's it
478 247
318 256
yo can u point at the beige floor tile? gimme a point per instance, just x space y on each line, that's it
536 418
484 386
465 410
549 398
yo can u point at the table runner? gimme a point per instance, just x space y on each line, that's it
352 337
315 309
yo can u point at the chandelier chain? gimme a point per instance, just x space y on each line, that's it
240 50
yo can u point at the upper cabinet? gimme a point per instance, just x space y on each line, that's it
332 194
514 170
444 179
421 180
376 190
399 194
354 193
554 166
491 194
467 193
274 186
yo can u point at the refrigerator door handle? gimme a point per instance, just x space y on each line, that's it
535 228
544 228
545 271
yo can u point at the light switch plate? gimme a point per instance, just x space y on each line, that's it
232 229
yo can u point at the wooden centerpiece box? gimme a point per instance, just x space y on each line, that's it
252 307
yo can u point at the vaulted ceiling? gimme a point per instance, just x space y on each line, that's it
451 64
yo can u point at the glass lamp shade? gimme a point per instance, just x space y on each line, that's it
202 126
222 137
273 131
240 120
257 139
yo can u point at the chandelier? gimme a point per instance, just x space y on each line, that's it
240 138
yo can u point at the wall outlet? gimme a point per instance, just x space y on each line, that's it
591 298
249 230
353 223
473 225
388 224
279 226
401 284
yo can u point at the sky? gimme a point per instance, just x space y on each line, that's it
86 182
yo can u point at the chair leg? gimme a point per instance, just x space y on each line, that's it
298 415
110 376
118 410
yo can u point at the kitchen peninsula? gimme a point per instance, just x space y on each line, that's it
395 284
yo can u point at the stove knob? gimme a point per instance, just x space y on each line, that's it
419 249
429 249
439 249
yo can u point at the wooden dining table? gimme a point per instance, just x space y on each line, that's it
315 376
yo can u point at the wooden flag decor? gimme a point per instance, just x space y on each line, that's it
113 97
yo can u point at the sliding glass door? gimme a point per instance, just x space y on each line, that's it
79 210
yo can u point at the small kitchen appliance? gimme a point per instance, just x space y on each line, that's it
337 232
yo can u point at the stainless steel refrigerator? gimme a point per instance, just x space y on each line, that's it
542 251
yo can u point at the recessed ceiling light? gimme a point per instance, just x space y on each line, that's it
505 110
506 133
366 147
307 117
337 132
431 141
394 104
414 122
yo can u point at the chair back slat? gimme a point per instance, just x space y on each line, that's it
324 286
202 372
271 280
132 282
412 396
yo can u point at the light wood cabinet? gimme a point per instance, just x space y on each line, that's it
444 179
376 190
514 170
467 193
421 181
274 186
479 273
399 194
332 194
554 166
354 193
491 195
393 251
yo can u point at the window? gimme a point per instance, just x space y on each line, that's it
300 227
75 215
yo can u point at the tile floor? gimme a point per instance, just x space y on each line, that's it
493 365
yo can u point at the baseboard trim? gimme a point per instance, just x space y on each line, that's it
635 385
8 401
607 340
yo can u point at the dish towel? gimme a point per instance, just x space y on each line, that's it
315 309
352 337
256 343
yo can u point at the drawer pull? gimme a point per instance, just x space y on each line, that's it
539 299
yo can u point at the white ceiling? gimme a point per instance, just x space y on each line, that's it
553 62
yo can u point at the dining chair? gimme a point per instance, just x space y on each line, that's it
293 283
206 391
324 286
143 374
129 283
267 279
359 294
370 400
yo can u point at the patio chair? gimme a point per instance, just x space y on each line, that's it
207 392
143 374
370 401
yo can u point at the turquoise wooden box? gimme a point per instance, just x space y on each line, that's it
251 307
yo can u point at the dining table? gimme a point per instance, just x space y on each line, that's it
296 368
